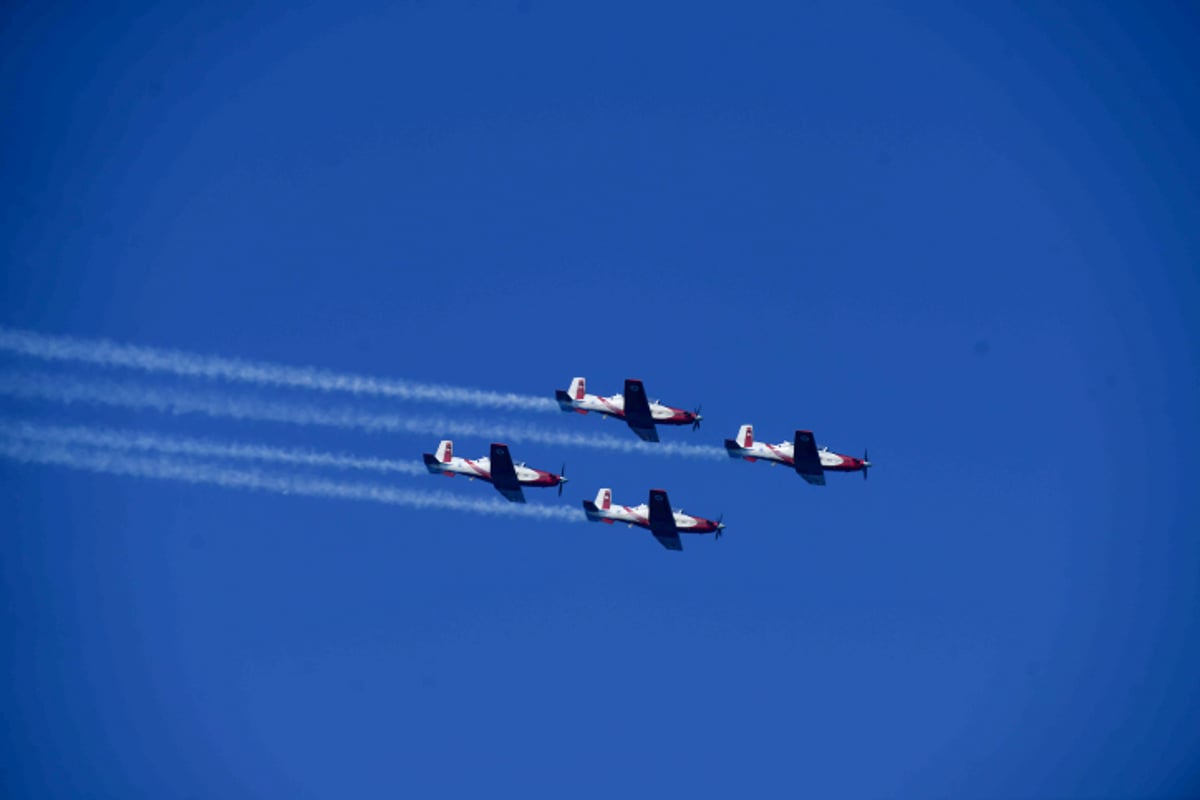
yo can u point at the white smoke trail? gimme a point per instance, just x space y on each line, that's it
106 353
201 448
116 463
108 393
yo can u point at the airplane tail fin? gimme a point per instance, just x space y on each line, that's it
566 400
745 439
745 436
604 499
595 511
445 451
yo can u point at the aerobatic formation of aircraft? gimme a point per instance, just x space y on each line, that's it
641 415
801 454
656 516
497 469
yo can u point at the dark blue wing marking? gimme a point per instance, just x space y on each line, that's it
662 521
645 434
504 474
515 495
806 459
670 542
637 409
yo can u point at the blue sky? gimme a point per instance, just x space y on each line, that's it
963 238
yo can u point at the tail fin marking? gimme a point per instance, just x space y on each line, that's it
745 437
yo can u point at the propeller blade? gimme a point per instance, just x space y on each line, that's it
562 478
866 463
696 418
720 527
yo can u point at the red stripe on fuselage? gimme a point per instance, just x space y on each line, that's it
678 417
849 464
479 472
542 479
612 408
779 453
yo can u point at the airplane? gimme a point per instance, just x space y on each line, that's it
498 469
639 414
801 454
656 516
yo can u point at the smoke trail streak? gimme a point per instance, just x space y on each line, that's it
105 353
201 448
108 393
115 463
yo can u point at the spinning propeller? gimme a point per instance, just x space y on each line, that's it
866 464
696 418
720 527
562 478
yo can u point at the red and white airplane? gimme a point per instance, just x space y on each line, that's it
639 413
656 516
801 454
498 470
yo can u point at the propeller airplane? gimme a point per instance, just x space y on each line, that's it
497 469
656 516
801 454
641 415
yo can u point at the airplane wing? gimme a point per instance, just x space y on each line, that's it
662 521
806 460
504 474
637 411
646 434
670 542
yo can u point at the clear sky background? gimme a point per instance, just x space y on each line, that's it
965 238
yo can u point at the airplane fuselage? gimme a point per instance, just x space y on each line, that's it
481 468
614 406
640 516
782 454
